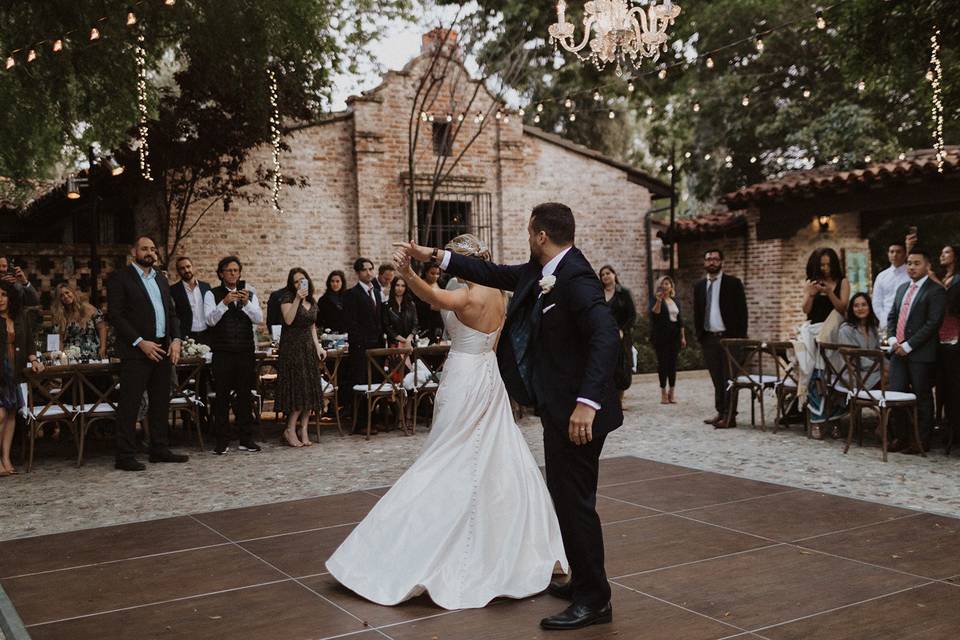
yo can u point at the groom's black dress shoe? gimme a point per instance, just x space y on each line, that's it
577 616
562 590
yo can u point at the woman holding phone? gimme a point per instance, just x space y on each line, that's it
299 383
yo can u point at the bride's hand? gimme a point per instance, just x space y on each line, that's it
415 251
401 260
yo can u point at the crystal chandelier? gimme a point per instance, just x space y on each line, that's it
622 33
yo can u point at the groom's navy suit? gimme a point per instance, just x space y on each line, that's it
556 348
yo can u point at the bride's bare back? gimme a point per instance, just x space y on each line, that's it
483 309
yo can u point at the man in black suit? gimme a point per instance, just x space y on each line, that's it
914 325
148 339
720 311
362 308
558 352
188 296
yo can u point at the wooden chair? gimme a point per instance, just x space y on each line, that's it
879 400
424 380
834 384
46 404
787 385
745 371
99 401
385 369
330 376
185 394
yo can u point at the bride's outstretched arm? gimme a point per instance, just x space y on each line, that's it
432 295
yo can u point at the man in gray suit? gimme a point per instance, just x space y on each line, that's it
913 327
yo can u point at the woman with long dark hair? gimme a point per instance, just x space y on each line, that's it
861 329
667 335
826 288
299 382
330 305
620 301
948 351
400 315
17 348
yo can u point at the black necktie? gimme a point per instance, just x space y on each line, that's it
706 322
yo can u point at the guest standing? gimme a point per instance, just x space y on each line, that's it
14 275
232 310
363 310
400 315
888 281
948 350
330 305
188 295
299 385
16 350
79 324
913 325
861 330
429 319
385 275
668 337
720 311
620 301
826 288
148 337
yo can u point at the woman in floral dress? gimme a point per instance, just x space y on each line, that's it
79 324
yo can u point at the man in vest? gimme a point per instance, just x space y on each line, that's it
232 311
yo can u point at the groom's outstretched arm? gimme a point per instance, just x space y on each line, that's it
482 272
598 328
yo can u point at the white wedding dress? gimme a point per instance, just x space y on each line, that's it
471 519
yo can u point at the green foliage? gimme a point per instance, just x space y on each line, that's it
690 359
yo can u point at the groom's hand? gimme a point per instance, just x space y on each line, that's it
415 251
581 424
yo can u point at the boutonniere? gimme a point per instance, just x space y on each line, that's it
547 283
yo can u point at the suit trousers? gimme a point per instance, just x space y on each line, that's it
572 472
136 376
716 361
234 372
915 377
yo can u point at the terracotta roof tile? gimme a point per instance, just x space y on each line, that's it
717 221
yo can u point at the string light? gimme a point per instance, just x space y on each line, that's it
536 119
821 21
758 43
630 87
709 62
10 62
423 116
499 115
94 34
460 117
31 55
275 139
169 3
936 108
131 18
142 130
745 101
902 156
521 112
753 159
663 73
868 158
596 96
650 111
57 45
540 108
449 117
612 115
573 117
696 107
568 103
861 86
707 156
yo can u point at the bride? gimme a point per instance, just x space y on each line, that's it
471 519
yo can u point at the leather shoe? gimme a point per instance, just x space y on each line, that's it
714 420
723 424
562 590
168 456
129 464
577 616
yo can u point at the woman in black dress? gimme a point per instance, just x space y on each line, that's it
667 335
624 312
17 348
330 305
826 288
299 383
400 315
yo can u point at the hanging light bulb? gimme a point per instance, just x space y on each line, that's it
10 62
596 96
709 62
481 116
536 119
131 18
669 167
73 188
707 156
780 160
835 159
57 45
745 101
821 21
499 115
650 110
31 55
430 117
423 116
521 112
573 117
460 117
568 103
687 155
169 3
612 115
630 87
115 167
728 159
449 117
540 108
806 93
861 86
753 159
758 43
94 34
929 75
696 107
506 119
663 73
867 158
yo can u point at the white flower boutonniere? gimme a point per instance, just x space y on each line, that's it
547 283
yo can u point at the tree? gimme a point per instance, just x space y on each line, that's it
208 91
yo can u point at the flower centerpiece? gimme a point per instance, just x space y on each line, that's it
193 349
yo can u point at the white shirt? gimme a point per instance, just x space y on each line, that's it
213 311
714 317
885 291
367 288
195 297
892 340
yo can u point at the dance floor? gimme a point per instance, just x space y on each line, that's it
691 555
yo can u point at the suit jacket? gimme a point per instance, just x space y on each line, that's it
923 324
573 335
130 311
733 307
364 329
274 314
184 311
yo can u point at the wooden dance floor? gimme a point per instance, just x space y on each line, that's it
691 556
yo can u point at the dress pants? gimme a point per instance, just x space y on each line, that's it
136 376
916 377
233 372
716 361
572 473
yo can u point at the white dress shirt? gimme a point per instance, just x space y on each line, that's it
714 317
199 314
892 340
885 291
367 288
213 311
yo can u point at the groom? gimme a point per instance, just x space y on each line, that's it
558 353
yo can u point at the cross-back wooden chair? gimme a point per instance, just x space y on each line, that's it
861 364
330 380
186 394
51 397
745 371
424 380
835 381
385 370
99 400
787 385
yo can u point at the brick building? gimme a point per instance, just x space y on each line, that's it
356 203
768 230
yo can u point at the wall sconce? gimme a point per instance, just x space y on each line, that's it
824 223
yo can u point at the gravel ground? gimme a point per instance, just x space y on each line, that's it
57 496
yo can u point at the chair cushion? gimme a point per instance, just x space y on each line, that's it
372 388
790 383
889 396
100 407
755 379
51 413
327 388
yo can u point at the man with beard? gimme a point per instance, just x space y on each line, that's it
720 311
148 339
188 295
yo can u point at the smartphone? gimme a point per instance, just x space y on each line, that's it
304 285
241 285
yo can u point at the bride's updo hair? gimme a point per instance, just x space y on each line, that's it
469 245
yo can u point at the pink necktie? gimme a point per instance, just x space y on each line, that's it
905 312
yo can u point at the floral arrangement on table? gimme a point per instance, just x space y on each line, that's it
193 349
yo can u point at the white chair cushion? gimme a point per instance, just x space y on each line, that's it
100 407
372 388
789 383
182 402
839 387
889 396
51 412
755 379
327 388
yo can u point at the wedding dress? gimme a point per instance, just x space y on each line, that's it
471 519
